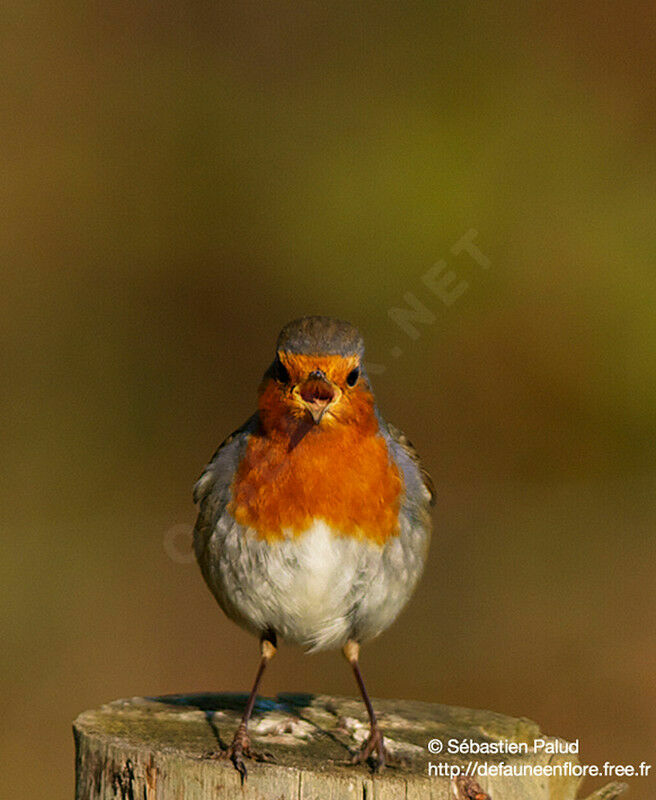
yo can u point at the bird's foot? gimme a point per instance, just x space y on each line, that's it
373 751
240 748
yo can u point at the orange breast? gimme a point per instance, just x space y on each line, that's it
342 475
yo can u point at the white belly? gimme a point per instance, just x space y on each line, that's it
314 597
316 589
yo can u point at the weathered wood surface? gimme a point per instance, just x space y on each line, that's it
165 748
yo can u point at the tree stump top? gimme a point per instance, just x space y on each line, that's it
167 747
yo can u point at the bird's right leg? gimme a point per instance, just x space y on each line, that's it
241 743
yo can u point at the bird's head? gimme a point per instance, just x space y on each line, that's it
317 379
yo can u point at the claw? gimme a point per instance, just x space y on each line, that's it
240 749
241 746
373 751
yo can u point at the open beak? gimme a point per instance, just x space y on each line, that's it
317 394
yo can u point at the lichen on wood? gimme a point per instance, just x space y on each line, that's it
169 747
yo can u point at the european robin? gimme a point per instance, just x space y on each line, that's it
314 516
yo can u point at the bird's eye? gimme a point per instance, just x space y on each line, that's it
280 371
352 377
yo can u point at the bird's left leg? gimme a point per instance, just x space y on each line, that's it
241 743
374 747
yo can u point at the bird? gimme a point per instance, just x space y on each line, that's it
314 516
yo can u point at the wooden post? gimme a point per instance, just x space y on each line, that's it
166 748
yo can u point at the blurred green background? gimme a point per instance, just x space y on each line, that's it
181 179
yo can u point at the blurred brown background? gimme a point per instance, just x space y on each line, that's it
179 180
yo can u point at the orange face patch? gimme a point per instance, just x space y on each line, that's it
284 403
294 472
335 367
